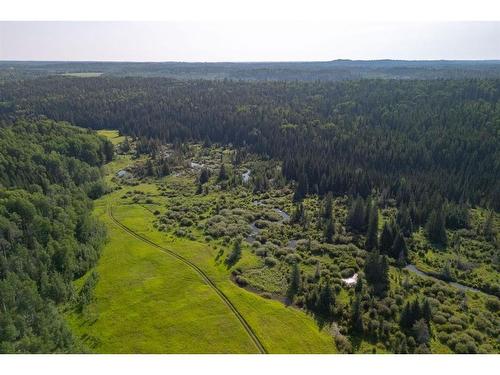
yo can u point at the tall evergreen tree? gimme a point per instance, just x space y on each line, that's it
488 230
222 173
377 272
357 323
356 215
406 320
295 282
328 206
435 227
302 188
386 239
398 248
204 176
329 230
404 220
298 216
326 300
426 310
372 233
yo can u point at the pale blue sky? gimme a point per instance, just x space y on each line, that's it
263 40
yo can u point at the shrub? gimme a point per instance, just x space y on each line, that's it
476 335
457 321
261 224
292 258
280 253
486 349
439 319
241 281
261 252
270 261
443 337
348 272
311 260
271 216
343 344
422 349
493 304
185 222
180 233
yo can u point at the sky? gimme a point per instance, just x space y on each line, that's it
247 40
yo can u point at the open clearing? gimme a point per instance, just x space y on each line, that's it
147 301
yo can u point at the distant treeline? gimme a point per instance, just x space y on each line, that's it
48 173
413 141
336 70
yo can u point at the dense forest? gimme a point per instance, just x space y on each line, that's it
418 142
49 172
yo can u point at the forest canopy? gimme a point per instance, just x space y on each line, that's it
48 173
414 141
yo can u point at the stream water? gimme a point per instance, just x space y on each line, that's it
246 176
254 231
412 268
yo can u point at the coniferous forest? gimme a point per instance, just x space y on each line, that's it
418 142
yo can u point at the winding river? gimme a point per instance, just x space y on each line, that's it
412 268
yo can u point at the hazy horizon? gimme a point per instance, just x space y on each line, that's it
246 62
245 41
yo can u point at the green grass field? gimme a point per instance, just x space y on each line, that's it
112 135
146 301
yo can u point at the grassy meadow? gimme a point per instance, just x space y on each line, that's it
146 301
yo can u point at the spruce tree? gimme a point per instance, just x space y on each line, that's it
404 220
356 215
426 310
398 248
435 227
149 168
302 188
421 331
317 272
406 320
328 207
377 272
357 316
386 239
204 176
329 231
358 289
372 234
298 216
326 300
294 285
222 173
488 230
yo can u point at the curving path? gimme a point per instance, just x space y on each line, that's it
203 275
